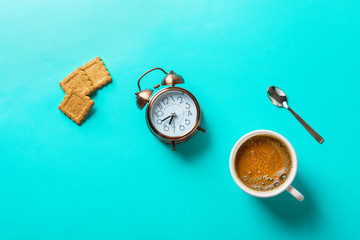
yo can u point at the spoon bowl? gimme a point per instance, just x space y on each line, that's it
279 99
277 96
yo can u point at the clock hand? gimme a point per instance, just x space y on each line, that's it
172 117
178 111
166 118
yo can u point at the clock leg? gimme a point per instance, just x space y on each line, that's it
201 129
173 144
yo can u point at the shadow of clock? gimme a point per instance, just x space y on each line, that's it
195 146
290 211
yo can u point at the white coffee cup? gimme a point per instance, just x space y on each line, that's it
285 186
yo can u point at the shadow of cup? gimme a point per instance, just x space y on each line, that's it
288 210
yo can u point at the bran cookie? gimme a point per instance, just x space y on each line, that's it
97 73
76 106
77 80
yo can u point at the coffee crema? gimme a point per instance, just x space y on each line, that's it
263 163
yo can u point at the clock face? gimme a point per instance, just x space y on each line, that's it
174 113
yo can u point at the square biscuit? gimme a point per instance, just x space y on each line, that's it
76 106
78 81
97 73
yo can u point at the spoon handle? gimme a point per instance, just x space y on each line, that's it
307 127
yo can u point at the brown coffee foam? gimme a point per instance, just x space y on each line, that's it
261 162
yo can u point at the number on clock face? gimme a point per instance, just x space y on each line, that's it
173 113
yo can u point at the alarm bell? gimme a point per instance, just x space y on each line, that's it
172 79
143 96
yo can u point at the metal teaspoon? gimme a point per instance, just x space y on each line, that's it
278 98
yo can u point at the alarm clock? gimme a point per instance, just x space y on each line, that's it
173 113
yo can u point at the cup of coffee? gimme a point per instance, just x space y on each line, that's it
263 163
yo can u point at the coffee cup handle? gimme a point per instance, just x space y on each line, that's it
295 193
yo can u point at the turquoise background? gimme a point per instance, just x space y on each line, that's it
112 179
